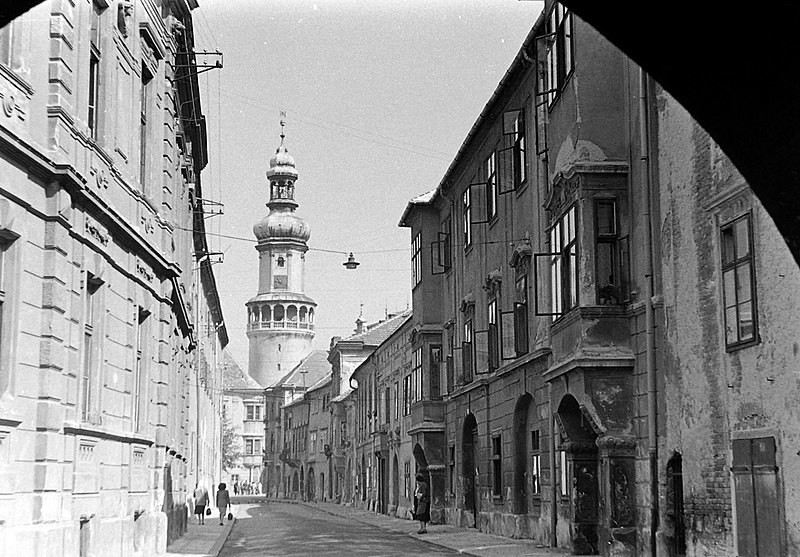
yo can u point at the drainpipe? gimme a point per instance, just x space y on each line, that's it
652 404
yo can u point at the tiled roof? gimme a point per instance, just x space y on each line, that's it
233 376
309 371
375 334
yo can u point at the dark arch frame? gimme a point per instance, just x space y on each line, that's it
521 453
469 465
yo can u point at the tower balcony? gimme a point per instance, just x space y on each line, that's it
259 325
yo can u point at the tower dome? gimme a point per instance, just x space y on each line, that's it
281 163
282 225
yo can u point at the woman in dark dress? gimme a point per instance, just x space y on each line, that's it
422 504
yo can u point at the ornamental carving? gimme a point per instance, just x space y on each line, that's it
147 224
563 193
614 444
144 271
96 231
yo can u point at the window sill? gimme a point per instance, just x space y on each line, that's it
729 348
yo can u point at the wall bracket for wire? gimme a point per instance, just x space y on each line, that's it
214 64
209 207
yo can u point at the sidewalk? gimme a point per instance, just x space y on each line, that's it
466 541
202 540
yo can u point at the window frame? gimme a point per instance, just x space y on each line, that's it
493 327
497 466
732 267
95 69
466 215
560 55
490 172
416 260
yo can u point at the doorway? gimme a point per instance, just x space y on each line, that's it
395 482
521 450
469 467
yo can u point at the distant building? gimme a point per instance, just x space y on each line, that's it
110 323
281 455
244 408
345 355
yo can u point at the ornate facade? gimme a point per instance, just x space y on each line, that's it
110 322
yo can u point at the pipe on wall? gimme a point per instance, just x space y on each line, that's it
652 403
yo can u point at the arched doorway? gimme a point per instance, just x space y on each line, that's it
322 485
469 467
523 472
347 495
674 510
295 487
310 484
301 490
363 482
395 482
579 470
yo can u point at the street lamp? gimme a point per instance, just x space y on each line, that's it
351 262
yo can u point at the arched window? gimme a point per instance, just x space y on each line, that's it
291 313
303 314
279 313
281 261
310 315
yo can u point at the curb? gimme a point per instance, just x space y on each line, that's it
217 547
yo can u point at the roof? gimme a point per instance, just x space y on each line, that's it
423 199
309 371
376 333
321 383
346 393
233 377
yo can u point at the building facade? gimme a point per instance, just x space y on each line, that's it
110 336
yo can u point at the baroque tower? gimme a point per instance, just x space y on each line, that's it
280 318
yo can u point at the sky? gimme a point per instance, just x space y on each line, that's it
378 95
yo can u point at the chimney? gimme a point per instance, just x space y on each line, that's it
359 325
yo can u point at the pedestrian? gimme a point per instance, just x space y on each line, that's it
422 504
223 502
200 503
236 488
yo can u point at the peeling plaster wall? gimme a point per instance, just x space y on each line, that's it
712 395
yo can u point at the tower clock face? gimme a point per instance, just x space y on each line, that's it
280 281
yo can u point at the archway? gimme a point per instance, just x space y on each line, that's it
322 484
469 466
301 490
523 473
347 495
310 485
395 482
363 482
295 486
580 450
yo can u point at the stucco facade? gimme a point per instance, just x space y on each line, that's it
111 323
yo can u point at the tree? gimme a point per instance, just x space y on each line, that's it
231 449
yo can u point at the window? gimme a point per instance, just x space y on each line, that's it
563 473
536 463
416 375
564 264
253 412
467 347
494 337
610 255
387 402
396 400
521 311
497 466
416 261
407 477
441 249
560 62
6 315
466 216
758 512
452 464
407 395
450 360
90 369
312 442
738 279
518 135
490 169
140 375
252 446
6 44
435 371
94 70
144 100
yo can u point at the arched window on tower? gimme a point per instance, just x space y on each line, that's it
279 313
281 262
303 316
310 315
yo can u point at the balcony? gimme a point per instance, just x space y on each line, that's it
427 415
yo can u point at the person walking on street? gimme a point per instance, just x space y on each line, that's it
223 502
422 504
200 503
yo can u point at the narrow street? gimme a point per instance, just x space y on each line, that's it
289 529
